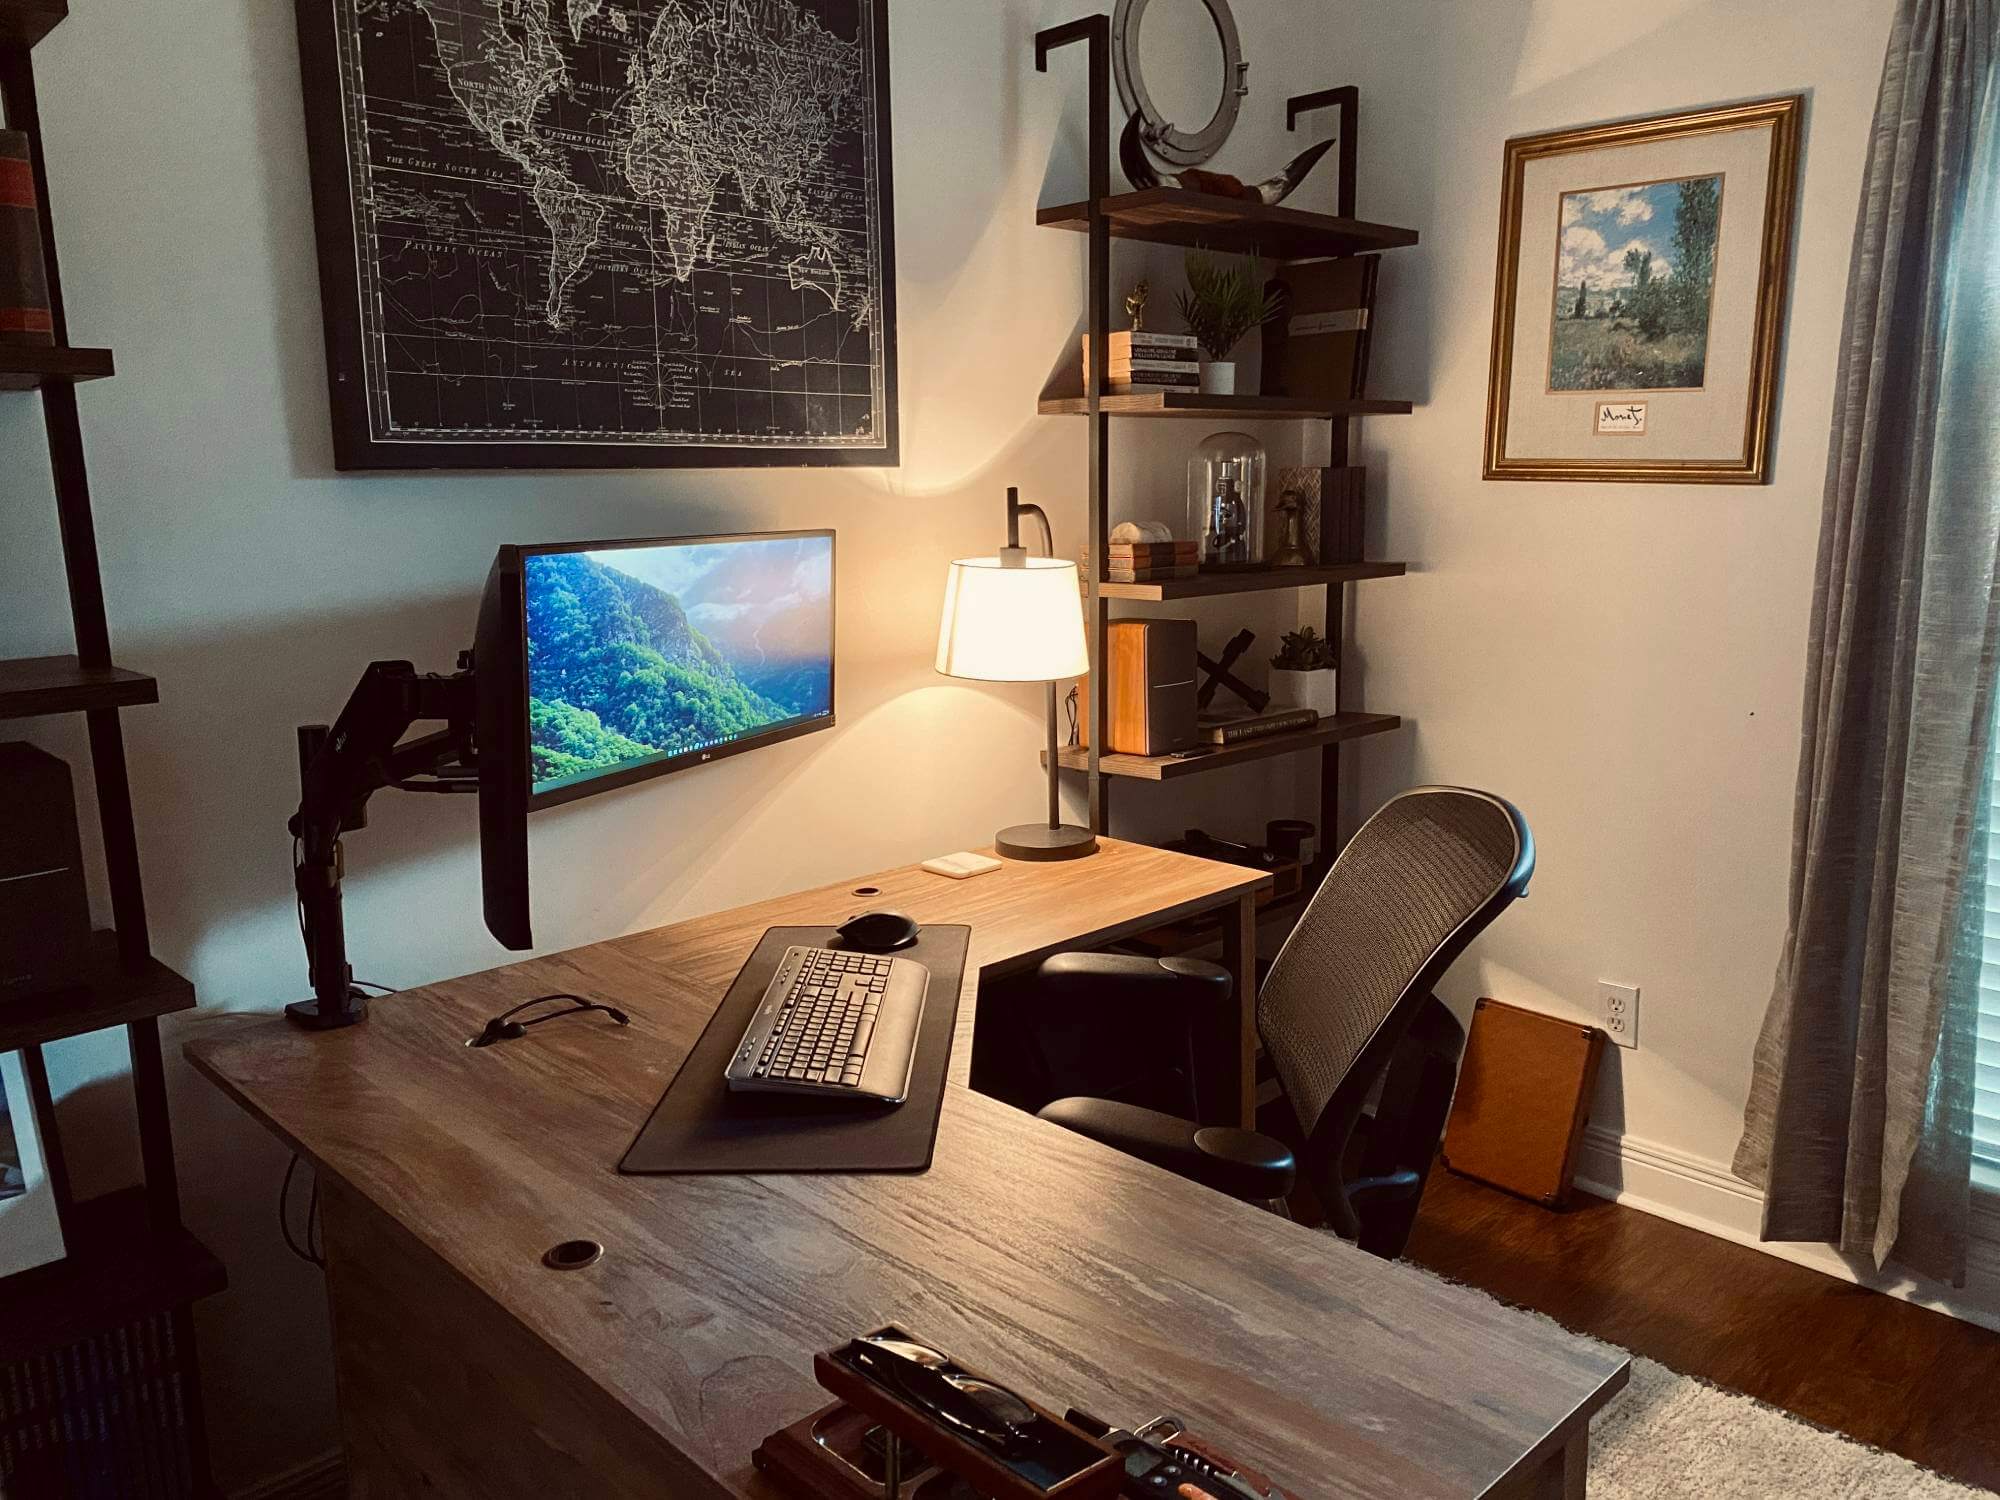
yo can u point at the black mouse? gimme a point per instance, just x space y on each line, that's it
878 932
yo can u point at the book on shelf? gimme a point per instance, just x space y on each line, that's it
1236 729
1122 367
1144 552
1155 573
1153 383
1126 340
25 313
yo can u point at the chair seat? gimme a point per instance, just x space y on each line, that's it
1242 1163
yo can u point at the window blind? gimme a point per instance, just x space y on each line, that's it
1986 1091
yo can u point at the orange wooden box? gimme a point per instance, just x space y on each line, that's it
1523 1099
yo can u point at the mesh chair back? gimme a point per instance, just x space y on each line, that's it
1419 879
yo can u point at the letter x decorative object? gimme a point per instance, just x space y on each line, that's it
1218 674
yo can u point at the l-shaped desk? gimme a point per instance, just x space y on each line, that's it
467 1368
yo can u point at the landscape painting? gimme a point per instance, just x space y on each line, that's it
1635 282
640 654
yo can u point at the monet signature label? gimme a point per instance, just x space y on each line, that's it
1627 418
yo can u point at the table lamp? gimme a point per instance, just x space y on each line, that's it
1016 618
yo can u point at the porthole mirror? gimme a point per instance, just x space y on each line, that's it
1179 62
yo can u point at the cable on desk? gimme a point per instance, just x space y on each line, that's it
504 1028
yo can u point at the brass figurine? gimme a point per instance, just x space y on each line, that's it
1135 305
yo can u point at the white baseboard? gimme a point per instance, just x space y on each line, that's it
1706 1195
322 1478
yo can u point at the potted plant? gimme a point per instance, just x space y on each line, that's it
1302 673
1220 304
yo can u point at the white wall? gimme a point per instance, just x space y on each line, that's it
1624 661
255 582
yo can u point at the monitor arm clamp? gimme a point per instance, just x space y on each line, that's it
340 768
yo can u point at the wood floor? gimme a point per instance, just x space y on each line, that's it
1886 1372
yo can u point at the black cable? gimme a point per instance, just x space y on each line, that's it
369 984
1075 734
306 1253
504 1028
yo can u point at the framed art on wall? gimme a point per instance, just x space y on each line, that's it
1639 305
641 234
31 1184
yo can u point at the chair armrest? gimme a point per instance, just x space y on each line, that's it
1241 1163
1113 977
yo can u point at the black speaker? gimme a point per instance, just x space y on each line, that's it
44 907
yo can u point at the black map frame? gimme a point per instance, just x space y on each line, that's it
359 446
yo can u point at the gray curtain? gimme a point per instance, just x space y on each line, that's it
1858 1125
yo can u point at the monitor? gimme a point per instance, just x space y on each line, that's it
614 662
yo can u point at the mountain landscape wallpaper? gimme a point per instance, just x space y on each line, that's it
642 653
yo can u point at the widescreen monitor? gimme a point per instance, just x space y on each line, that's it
646 657
604 663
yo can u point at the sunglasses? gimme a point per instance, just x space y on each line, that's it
932 1382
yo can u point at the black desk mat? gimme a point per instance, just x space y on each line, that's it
700 1126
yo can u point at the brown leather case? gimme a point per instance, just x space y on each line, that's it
1523 1099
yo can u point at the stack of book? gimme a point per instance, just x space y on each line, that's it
1147 361
1148 562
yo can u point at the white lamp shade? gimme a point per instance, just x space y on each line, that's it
1012 624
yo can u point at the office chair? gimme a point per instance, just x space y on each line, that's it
1348 1003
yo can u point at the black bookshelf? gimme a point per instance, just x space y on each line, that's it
120 1304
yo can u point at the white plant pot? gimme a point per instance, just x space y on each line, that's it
1218 377
1314 690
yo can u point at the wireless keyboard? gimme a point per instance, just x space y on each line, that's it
836 1024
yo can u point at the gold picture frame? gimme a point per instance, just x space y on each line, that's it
1631 375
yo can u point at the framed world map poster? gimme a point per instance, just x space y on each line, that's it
603 233
1641 297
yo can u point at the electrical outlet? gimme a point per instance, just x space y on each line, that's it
1618 1012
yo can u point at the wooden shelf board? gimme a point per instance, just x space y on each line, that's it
120 1267
25 22
35 685
1205 585
110 995
25 367
1332 730
1172 216
1223 408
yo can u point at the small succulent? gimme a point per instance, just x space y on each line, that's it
1222 303
1304 651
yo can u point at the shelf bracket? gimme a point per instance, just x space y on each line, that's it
1347 99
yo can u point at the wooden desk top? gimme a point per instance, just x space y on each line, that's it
1047 1260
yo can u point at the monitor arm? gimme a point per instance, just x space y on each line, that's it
339 770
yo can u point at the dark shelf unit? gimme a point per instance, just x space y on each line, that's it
1171 216
1334 729
1250 581
113 993
129 1267
34 685
25 22
28 367
99 1349
1223 408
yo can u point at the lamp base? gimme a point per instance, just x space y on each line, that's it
1039 841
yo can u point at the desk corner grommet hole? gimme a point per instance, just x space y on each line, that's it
868 890
573 1255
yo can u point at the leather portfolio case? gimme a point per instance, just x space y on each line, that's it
1523 1099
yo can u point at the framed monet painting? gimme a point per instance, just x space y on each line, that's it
1641 297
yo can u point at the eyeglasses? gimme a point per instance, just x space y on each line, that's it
968 1403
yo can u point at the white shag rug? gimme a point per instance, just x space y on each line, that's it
1670 1437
